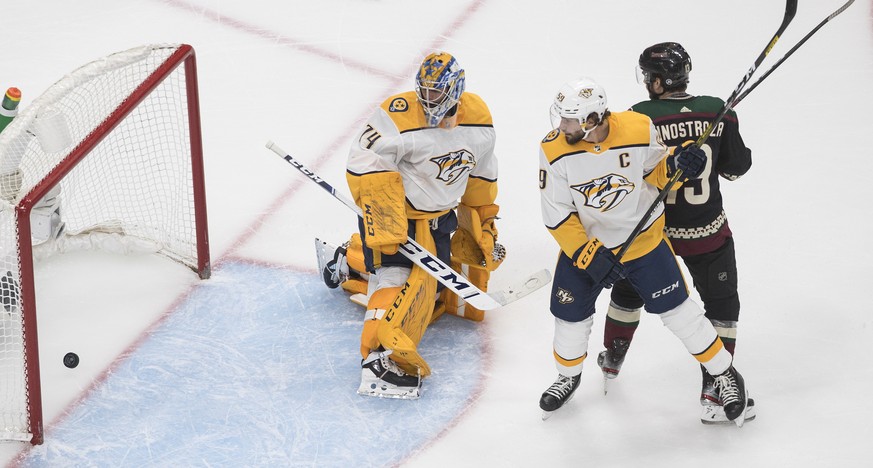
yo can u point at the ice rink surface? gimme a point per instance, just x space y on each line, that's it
258 366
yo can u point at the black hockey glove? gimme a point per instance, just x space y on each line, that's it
600 263
690 159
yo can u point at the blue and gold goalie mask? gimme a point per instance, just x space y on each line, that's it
439 85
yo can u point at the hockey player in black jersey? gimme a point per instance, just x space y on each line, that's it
696 223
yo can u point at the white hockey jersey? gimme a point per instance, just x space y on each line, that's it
439 166
603 189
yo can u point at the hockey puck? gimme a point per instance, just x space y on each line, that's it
71 360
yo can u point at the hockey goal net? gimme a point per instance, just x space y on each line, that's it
114 150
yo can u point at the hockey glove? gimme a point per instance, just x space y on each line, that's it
475 241
600 263
382 201
690 159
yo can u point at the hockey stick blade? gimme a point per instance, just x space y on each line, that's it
430 263
516 291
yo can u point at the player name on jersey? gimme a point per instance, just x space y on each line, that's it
689 129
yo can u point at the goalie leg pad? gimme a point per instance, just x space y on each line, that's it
377 306
355 254
454 305
410 313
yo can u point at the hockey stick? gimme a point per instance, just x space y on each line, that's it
430 263
793 49
790 10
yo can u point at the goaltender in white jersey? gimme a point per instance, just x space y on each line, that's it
437 166
422 167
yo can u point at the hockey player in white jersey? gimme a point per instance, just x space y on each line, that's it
421 157
599 173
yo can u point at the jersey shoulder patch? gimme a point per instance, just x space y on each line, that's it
404 110
551 135
398 104
554 147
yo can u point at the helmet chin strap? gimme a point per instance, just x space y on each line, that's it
585 132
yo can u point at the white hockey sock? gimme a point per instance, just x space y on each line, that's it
695 331
571 345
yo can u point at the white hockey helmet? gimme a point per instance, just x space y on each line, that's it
577 100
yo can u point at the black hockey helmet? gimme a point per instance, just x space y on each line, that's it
668 61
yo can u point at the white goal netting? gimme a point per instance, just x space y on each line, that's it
111 151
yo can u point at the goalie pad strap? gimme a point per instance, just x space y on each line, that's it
378 304
374 314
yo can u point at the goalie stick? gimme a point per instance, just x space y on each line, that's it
793 49
430 263
790 10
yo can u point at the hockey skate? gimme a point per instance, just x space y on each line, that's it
708 392
714 414
380 377
559 393
713 411
332 263
610 360
733 395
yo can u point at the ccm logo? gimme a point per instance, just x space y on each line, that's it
666 290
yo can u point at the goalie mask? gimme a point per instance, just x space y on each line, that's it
578 100
439 85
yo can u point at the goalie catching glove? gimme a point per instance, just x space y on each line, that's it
599 262
475 241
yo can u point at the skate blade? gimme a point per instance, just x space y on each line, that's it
396 394
713 415
323 253
374 387
607 378
548 414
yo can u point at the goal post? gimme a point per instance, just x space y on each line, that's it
109 155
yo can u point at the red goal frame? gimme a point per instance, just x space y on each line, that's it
184 56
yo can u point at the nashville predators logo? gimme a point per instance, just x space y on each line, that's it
605 193
398 105
564 296
586 92
454 165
